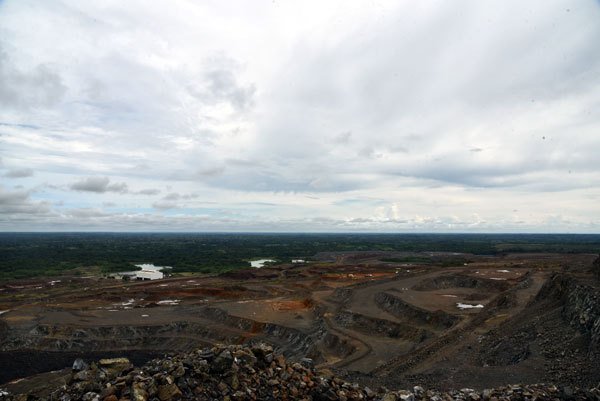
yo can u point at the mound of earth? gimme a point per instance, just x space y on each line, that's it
250 373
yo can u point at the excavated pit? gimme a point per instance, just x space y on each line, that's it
381 327
436 320
461 281
381 322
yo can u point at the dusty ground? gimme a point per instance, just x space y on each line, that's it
378 322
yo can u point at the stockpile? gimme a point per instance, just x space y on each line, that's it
232 373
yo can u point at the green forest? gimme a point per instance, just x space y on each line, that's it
32 254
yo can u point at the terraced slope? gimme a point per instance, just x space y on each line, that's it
381 322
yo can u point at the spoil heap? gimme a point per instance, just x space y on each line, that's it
233 373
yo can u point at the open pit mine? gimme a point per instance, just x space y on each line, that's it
486 323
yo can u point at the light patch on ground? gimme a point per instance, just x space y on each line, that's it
169 302
460 305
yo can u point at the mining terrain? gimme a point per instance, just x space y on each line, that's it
365 316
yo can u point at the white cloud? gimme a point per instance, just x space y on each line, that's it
301 115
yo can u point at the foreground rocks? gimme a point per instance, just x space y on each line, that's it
235 373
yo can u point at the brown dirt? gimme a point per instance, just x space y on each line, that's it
332 312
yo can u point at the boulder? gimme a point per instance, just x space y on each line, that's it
79 365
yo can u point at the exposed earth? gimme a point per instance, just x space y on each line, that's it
487 322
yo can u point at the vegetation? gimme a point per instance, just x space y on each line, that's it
32 254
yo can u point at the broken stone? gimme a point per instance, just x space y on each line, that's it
168 392
79 364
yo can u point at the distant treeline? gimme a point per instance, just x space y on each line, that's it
32 254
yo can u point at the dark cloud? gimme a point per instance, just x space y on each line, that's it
171 201
19 202
219 84
119 187
19 173
91 184
343 138
38 87
87 213
211 172
174 196
242 162
164 205
149 191
98 185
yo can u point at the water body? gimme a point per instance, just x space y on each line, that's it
260 263
148 272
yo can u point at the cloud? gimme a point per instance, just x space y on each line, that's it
98 185
165 205
436 111
170 201
40 86
19 173
211 172
219 85
243 163
19 203
172 196
86 213
343 138
149 191
120 187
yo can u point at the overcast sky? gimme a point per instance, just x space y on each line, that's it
399 116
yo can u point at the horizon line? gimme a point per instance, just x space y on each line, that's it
302 232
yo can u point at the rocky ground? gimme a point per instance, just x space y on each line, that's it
251 373
364 320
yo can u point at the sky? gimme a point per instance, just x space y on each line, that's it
300 116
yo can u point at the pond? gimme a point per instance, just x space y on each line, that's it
260 263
